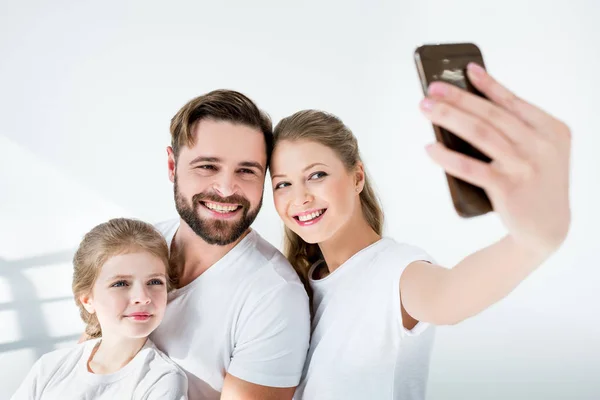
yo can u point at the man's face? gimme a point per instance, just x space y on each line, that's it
219 182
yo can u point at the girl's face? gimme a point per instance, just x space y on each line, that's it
130 295
314 193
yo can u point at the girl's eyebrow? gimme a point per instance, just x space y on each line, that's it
160 274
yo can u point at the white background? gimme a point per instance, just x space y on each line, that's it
87 90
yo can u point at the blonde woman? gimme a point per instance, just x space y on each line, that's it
372 297
120 284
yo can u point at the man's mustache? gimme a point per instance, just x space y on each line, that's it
233 199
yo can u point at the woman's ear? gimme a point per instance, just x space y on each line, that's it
87 302
359 177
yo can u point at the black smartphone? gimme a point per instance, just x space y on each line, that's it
448 63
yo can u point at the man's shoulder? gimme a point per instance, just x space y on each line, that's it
167 227
271 261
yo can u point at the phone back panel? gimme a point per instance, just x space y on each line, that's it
448 63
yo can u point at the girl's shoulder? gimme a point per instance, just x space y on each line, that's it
158 359
67 354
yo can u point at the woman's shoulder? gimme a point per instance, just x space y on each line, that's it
396 252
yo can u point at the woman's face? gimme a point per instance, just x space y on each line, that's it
130 295
314 193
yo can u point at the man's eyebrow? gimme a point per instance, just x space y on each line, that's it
205 159
252 164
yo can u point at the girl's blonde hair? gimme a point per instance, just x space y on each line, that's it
115 237
328 130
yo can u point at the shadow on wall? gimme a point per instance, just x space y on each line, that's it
25 302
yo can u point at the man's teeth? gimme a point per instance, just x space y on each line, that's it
309 217
220 208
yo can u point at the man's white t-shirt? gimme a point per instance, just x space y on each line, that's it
247 315
359 347
63 374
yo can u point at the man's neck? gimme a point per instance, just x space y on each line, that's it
113 353
193 256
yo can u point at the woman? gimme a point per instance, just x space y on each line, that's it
372 297
120 284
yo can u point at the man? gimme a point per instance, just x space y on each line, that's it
238 321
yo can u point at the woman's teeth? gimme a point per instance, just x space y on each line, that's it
311 216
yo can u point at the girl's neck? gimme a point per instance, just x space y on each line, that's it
113 353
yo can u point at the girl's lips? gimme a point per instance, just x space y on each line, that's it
139 316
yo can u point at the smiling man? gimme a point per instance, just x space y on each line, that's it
238 322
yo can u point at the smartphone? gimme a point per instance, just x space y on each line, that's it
448 63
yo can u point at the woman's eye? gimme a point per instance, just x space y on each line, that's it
155 282
119 284
281 185
317 175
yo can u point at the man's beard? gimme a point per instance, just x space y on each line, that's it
215 231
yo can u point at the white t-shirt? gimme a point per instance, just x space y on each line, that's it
63 374
247 315
359 347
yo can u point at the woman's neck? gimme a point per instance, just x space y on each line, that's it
356 235
113 353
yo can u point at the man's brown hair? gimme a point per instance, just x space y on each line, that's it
219 105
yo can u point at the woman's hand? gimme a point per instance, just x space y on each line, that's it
528 178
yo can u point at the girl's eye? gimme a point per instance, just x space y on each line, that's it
281 185
155 282
317 175
119 284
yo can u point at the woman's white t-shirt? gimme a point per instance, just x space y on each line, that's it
359 347
63 374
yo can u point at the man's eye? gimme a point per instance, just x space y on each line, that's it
246 171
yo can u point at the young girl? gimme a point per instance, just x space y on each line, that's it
120 284
372 297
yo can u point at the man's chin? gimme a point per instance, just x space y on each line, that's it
220 239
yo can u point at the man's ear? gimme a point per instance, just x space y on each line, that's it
171 163
87 302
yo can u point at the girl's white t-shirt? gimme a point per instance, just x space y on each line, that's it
63 374
359 347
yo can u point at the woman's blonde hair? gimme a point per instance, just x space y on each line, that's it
115 237
328 130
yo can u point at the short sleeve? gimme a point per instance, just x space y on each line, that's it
272 338
171 386
29 390
407 255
